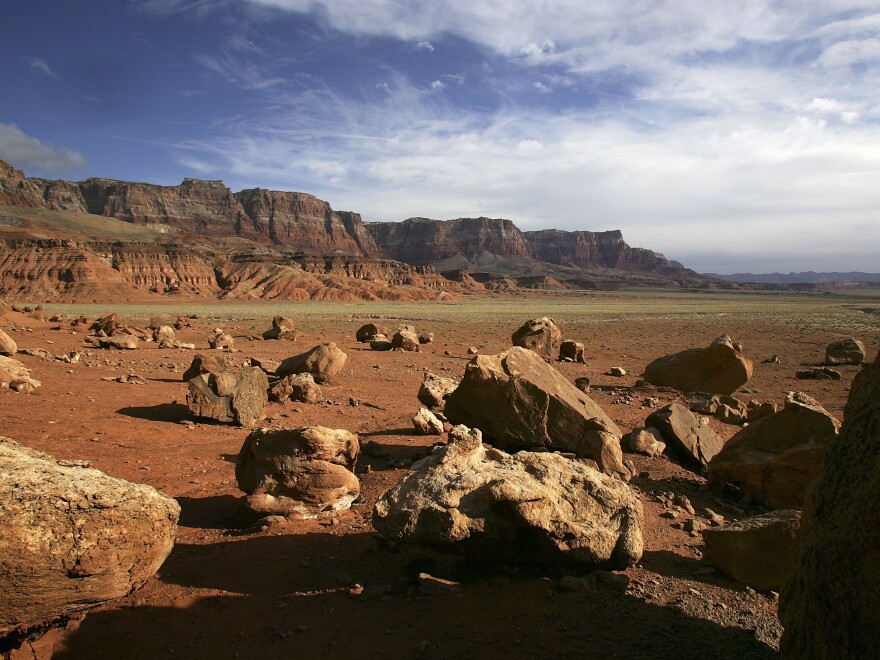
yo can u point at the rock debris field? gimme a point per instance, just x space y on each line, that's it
435 481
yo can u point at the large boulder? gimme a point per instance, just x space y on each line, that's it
571 351
775 458
830 606
238 397
282 328
73 538
845 351
405 340
758 551
323 361
435 390
427 423
366 333
487 504
686 434
221 341
519 401
541 335
205 363
7 344
15 376
305 471
718 369
164 336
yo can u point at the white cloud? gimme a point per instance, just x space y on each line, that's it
239 71
425 45
541 87
41 65
26 152
437 84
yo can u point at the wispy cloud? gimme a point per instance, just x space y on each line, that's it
239 71
26 152
41 65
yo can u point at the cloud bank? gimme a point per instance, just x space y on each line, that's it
26 152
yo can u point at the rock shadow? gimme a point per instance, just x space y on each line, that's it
162 412
216 512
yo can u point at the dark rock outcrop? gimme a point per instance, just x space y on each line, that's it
829 607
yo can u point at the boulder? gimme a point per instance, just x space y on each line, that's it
572 351
205 363
845 351
775 458
109 325
404 340
829 606
15 376
487 504
646 440
686 434
305 471
435 390
426 423
282 328
759 551
823 373
182 322
221 341
230 397
717 369
367 333
519 401
119 342
296 387
541 335
323 361
380 343
426 338
7 344
164 336
73 538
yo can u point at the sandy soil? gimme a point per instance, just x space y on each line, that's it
235 586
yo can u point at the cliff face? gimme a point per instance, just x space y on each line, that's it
285 219
420 241
423 241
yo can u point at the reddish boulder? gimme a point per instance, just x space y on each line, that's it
323 362
718 369
541 335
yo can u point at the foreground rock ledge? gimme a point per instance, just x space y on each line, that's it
520 402
830 606
73 537
487 504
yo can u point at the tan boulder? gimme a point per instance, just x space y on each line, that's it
646 440
717 369
759 551
405 340
487 504
775 458
15 376
435 390
829 608
205 363
305 471
686 434
73 538
7 344
845 351
164 336
541 335
221 341
323 362
426 423
238 397
282 328
519 401
296 387
119 342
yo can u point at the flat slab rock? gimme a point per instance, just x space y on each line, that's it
485 503
519 401
73 537
759 551
685 434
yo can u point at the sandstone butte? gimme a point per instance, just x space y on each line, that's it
104 240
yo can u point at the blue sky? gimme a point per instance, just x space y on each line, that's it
732 136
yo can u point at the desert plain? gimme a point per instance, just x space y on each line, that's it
240 585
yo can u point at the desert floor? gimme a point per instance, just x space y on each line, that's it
235 586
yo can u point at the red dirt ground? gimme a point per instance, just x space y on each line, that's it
236 587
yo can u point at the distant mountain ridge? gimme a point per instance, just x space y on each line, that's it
808 277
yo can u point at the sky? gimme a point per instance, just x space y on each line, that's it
731 136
